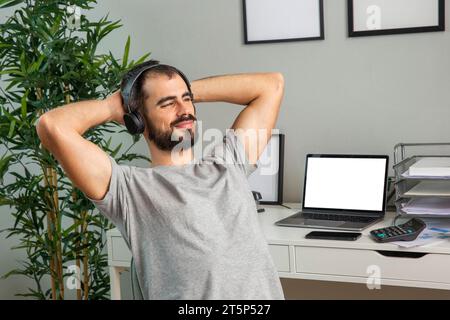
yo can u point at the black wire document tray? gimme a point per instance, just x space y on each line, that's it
422 180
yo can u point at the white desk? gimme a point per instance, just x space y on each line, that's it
327 260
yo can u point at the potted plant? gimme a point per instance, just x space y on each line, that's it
49 57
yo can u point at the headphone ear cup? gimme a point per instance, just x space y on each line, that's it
134 122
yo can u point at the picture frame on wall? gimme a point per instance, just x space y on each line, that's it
268 21
383 17
267 179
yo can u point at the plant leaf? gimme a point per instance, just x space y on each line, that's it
125 53
23 103
11 128
4 163
9 3
143 58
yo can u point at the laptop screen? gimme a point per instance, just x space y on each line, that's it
344 182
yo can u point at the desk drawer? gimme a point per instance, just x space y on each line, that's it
353 262
280 256
120 251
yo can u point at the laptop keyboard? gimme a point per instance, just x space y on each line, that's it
336 217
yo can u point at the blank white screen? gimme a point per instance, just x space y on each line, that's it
282 19
345 183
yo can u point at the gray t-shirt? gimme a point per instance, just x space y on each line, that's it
193 229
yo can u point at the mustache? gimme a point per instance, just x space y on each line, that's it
184 118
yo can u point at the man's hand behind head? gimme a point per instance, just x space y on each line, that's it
115 103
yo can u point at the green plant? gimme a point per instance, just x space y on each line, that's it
48 57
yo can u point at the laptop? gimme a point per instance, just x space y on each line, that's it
343 192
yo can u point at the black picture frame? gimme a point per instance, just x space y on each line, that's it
279 188
440 26
321 35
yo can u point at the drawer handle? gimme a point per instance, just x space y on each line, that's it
402 254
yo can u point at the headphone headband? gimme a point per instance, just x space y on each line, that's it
128 87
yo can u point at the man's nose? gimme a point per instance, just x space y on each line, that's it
184 107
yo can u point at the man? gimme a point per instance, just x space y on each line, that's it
192 228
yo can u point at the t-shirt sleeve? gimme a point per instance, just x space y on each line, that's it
231 151
114 204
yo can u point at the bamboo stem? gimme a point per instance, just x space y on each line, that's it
58 233
52 262
51 180
49 215
50 226
77 245
85 257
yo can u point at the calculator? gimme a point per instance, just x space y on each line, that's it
403 232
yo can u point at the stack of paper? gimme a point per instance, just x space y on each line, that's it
437 188
432 205
436 232
431 167
406 174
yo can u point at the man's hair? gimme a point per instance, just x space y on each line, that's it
137 94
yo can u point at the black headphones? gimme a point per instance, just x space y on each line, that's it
133 119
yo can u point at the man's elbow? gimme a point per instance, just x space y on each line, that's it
278 82
43 129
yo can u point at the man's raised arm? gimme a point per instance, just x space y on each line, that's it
60 131
262 94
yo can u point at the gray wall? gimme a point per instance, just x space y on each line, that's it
352 95
360 95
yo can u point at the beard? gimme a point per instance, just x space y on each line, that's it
167 140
